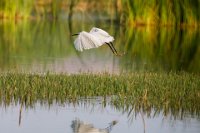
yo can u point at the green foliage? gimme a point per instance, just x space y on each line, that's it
32 41
39 43
163 49
170 92
163 12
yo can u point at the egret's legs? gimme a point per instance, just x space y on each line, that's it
114 52
114 48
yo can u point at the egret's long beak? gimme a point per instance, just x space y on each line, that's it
75 34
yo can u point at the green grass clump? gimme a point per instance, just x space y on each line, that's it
151 12
162 12
171 92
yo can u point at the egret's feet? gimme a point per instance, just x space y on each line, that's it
120 54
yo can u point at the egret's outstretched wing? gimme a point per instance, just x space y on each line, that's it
86 41
102 35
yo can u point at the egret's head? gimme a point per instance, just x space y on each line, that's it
75 34
94 29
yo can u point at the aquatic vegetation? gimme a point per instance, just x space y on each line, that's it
28 41
152 12
49 9
18 9
163 49
162 12
171 92
156 49
40 43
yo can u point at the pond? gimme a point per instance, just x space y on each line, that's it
91 116
40 47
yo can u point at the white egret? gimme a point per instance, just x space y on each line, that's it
94 39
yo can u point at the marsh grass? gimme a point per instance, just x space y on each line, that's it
137 12
166 48
162 12
170 92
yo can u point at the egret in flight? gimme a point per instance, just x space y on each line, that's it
94 39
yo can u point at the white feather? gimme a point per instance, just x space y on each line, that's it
86 40
95 38
102 35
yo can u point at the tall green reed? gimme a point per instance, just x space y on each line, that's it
163 49
163 12
158 91
152 12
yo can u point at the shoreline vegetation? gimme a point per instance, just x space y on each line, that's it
169 92
138 13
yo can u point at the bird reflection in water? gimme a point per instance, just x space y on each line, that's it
82 127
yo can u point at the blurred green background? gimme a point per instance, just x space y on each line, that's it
165 12
156 35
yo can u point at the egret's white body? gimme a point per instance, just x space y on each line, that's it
93 39
103 36
86 40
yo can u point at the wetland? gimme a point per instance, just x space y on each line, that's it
48 86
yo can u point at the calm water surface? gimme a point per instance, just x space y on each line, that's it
42 46
90 118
